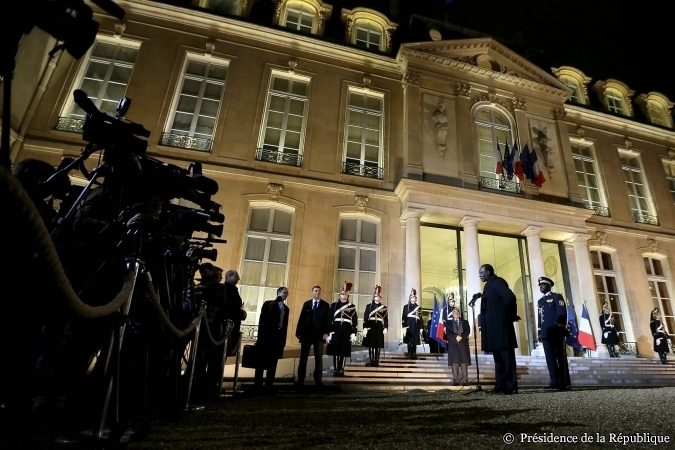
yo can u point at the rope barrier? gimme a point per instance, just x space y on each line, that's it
152 294
26 217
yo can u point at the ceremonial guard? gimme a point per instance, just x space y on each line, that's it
660 334
375 324
412 324
458 330
345 326
552 329
609 335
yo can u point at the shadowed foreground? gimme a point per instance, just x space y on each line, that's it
420 420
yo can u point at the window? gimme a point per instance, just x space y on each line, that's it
299 18
587 179
574 85
193 118
658 285
637 190
657 114
368 36
615 102
230 7
493 127
363 146
670 176
358 255
608 290
282 135
106 75
266 253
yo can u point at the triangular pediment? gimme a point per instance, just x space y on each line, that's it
482 56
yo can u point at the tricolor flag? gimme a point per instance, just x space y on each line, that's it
525 160
440 331
508 162
435 320
517 164
573 337
499 170
537 176
585 333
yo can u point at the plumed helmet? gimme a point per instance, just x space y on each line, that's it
346 288
413 293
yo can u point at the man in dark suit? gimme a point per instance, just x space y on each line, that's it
314 324
498 310
233 309
552 332
272 328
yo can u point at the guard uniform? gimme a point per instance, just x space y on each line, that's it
552 332
412 324
660 335
345 323
375 324
609 335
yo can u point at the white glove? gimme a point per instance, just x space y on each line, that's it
384 331
328 339
403 330
353 337
365 332
606 334
658 341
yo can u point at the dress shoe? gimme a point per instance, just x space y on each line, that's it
496 391
455 383
511 391
466 383
551 387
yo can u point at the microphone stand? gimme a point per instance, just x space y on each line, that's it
475 350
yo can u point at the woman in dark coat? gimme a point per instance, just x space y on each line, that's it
458 331
345 322
660 336
609 335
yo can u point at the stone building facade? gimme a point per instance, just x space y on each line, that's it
372 160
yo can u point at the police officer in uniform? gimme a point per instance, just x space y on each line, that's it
552 331
375 324
609 335
412 324
343 334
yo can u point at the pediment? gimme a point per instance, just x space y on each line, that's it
483 56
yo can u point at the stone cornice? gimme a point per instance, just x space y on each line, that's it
221 27
424 52
618 125
407 187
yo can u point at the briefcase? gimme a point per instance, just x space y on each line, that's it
250 357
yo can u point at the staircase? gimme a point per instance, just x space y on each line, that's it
431 372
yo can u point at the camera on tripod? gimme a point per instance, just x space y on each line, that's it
116 134
202 250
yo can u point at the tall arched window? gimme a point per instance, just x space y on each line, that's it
358 256
658 285
607 284
266 257
493 127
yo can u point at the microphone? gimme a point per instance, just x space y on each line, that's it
475 297
83 101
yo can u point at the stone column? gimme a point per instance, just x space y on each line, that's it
587 289
413 253
472 255
412 126
537 270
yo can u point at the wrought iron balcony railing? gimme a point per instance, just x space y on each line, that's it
249 333
181 141
362 171
645 218
289 159
627 348
68 124
500 185
598 210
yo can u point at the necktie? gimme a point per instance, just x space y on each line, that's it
281 314
314 306
457 324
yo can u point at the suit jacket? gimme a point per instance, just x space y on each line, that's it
271 337
552 313
499 310
312 325
450 329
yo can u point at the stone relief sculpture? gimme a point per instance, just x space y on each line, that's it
543 141
441 131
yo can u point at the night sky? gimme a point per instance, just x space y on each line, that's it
627 41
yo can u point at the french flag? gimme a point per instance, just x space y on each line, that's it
499 170
537 176
585 333
517 163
